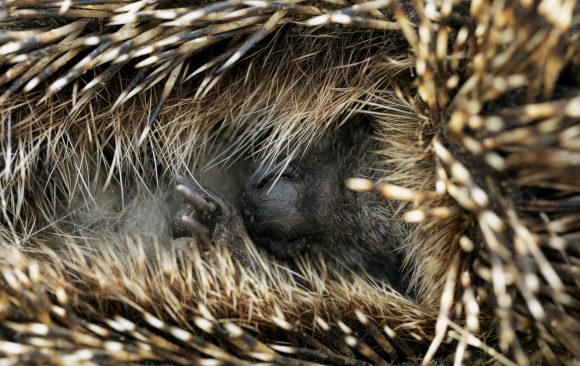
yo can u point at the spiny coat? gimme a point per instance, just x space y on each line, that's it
477 107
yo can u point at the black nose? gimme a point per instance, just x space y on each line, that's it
278 212
276 209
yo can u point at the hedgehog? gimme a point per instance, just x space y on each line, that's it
454 123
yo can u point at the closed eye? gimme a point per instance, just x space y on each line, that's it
290 173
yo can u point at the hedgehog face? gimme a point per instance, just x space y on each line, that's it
301 206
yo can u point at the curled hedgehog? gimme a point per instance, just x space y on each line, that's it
357 183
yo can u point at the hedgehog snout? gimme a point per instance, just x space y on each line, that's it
278 211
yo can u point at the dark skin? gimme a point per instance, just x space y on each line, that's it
300 207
